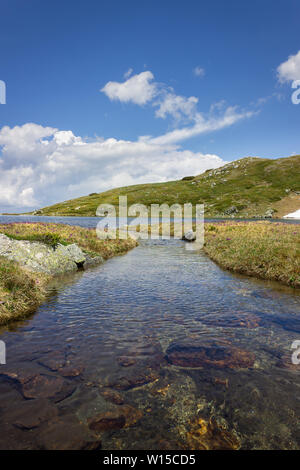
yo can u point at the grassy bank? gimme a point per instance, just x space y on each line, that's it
266 250
21 291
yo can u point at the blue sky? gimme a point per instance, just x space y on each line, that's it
72 138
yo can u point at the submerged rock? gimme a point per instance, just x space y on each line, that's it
107 421
39 257
66 434
33 385
58 361
136 378
210 435
112 396
123 417
237 320
209 353
31 414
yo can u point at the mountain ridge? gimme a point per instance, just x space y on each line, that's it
248 187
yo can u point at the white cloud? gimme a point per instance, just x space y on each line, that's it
199 71
128 73
290 69
202 125
139 89
176 106
43 165
142 89
60 166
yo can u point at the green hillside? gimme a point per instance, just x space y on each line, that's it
250 187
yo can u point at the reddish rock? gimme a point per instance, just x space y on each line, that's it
209 353
47 386
33 384
123 417
112 396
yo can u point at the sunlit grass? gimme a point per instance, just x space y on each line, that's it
66 234
265 250
21 291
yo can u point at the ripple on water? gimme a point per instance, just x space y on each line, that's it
129 334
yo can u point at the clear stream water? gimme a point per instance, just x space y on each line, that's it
115 326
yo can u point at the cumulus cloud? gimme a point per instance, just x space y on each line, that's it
290 69
43 165
139 89
199 71
176 106
142 89
58 165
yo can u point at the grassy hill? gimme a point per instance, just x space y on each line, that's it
249 187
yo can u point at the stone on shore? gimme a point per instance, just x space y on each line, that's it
39 257
189 236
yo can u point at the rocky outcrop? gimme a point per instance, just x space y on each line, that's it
39 257
231 210
269 214
189 236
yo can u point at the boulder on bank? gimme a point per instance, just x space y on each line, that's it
39 257
189 236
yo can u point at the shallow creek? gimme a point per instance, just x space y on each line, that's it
156 349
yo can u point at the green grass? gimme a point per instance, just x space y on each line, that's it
252 185
265 250
52 234
21 291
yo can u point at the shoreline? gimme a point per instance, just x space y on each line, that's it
262 250
24 281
